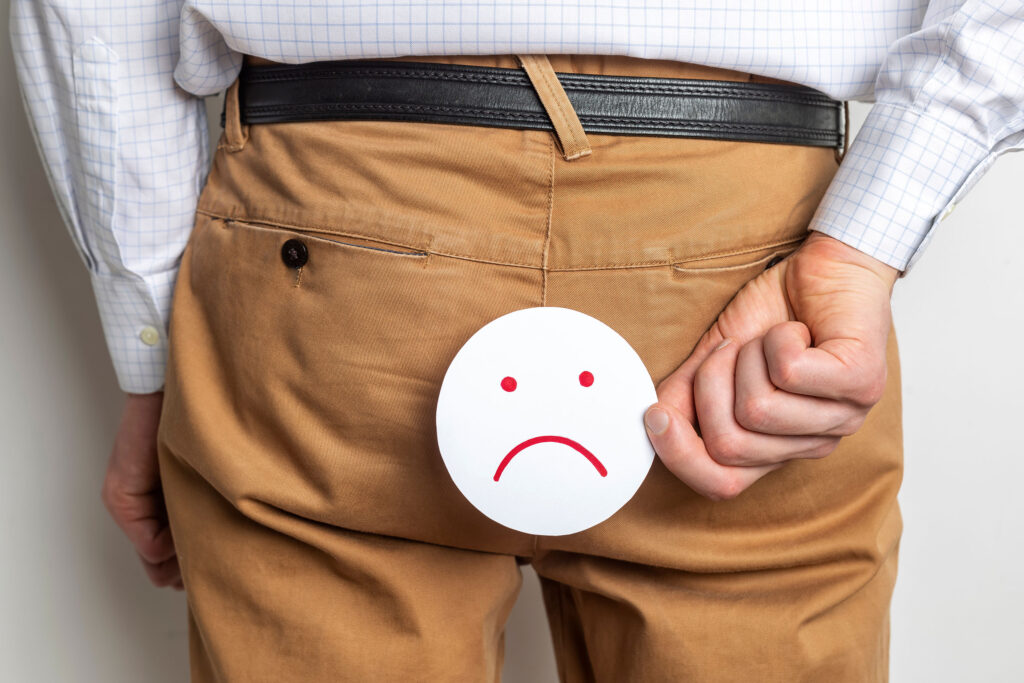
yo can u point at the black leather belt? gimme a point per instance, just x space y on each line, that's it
504 98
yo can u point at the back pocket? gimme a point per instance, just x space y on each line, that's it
750 261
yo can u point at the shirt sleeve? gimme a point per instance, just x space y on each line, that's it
126 154
949 99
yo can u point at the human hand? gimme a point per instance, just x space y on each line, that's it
132 493
793 363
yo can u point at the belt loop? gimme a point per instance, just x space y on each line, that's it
568 129
844 144
235 132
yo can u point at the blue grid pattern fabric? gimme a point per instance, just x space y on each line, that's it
113 93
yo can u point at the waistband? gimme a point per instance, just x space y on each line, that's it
498 196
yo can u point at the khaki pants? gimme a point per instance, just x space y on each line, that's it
319 534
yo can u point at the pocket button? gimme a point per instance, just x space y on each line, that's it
294 253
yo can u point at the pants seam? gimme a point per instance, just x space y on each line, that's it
547 227
559 640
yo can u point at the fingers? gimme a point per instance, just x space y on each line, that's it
132 492
143 521
142 518
163 574
844 369
783 389
758 305
683 453
677 388
152 539
760 406
728 442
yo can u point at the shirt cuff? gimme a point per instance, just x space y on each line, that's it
901 175
133 311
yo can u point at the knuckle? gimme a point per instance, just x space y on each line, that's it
874 393
753 412
160 581
726 449
149 550
726 489
167 580
115 502
106 494
109 489
161 575
850 426
783 372
872 389
824 449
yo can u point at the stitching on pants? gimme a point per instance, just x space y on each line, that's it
660 263
563 626
547 228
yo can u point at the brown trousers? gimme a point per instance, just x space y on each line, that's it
319 534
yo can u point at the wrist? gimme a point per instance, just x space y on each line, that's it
144 401
831 249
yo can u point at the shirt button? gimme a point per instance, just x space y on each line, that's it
294 253
149 335
775 260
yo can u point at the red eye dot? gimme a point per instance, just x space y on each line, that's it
586 378
508 384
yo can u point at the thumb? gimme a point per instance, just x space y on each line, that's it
676 442
677 388
758 306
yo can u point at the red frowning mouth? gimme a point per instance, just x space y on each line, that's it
550 439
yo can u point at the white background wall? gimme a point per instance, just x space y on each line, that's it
75 605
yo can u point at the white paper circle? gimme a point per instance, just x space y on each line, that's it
566 447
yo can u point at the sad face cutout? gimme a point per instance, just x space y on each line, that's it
540 421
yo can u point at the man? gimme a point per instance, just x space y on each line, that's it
793 362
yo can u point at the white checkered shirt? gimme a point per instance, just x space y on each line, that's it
113 92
